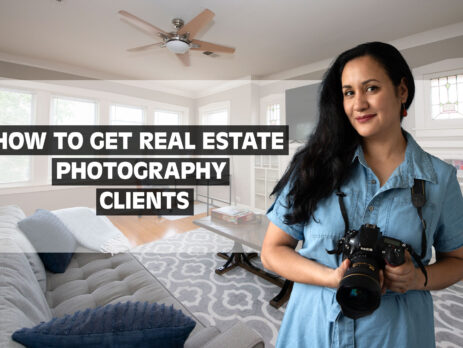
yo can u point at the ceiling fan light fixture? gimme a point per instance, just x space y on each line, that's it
178 46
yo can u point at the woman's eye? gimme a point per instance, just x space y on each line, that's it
348 93
372 88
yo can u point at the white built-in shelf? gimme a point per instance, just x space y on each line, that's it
266 175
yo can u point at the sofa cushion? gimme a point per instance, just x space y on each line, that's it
51 238
120 325
9 218
22 302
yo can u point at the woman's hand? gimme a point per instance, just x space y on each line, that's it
400 278
338 273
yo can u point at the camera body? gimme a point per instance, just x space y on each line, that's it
368 242
359 291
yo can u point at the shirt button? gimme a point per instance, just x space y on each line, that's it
373 181
371 208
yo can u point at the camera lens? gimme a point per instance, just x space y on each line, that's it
359 292
357 298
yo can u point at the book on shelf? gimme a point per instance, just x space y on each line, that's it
233 214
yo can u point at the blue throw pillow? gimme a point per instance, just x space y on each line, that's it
129 324
50 237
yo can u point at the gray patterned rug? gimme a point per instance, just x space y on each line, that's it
185 263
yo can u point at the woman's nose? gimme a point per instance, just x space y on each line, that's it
360 102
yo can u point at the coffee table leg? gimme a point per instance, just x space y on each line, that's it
283 295
233 260
229 265
242 259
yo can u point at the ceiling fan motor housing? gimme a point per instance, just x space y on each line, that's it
178 23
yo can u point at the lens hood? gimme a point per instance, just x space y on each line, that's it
359 293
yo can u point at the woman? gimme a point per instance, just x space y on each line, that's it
359 148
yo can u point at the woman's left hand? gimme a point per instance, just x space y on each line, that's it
401 278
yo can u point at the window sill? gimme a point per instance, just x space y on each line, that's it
443 132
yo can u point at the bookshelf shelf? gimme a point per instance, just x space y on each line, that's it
266 175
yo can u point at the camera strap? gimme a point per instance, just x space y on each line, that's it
340 195
418 200
418 261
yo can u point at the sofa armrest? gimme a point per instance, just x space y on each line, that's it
238 336
202 337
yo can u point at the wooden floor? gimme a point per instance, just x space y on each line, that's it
145 229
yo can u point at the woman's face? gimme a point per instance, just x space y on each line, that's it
371 101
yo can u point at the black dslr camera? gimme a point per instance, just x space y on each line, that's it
359 292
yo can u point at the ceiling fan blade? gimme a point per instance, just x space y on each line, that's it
208 46
141 24
146 47
184 58
197 23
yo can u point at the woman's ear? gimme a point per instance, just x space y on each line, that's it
403 90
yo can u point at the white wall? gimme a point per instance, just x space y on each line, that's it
244 110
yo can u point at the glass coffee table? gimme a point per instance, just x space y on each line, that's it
249 234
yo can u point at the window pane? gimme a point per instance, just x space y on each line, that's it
273 114
18 169
15 109
126 115
166 118
447 98
216 118
67 111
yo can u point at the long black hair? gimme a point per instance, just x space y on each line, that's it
322 165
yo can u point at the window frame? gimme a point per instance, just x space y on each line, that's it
74 98
271 99
133 106
429 121
424 127
42 114
206 109
33 120
179 114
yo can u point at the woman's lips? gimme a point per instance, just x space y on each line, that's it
364 118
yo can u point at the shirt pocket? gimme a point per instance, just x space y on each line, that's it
329 222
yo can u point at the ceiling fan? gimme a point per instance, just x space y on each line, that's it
182 40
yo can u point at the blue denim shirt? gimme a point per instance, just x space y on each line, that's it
313 317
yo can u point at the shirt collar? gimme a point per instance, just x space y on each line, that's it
417 164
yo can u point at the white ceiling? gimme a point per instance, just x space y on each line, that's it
270 36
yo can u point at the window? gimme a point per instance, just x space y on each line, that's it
272 110
447 97
72 111
126 115
216 114
16 108
273 114
438 103
167 118
216 118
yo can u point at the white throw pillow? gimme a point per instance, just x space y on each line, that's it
92 231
